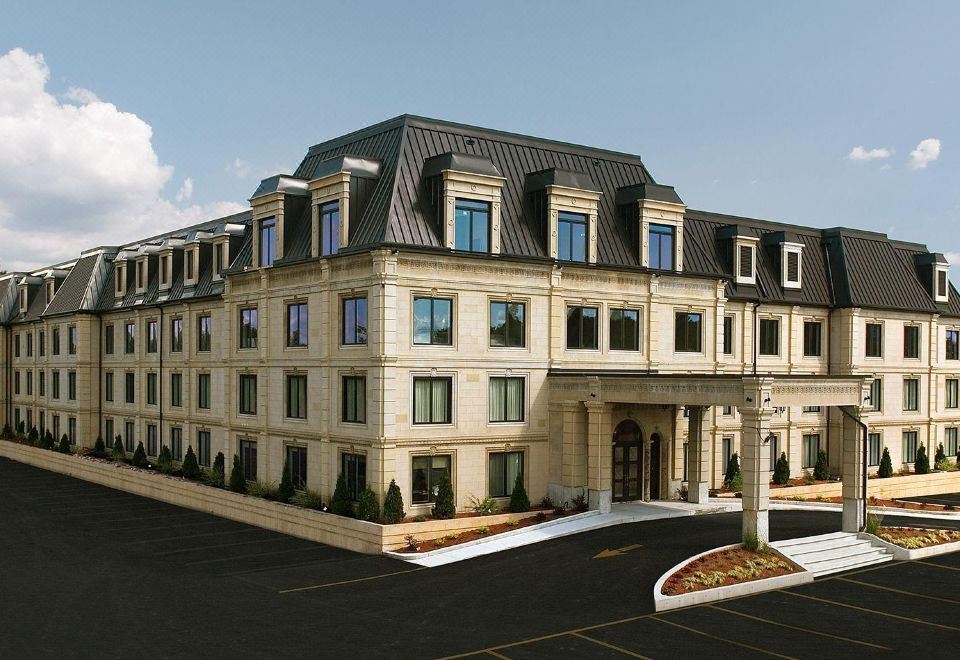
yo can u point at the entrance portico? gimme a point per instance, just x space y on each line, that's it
604 426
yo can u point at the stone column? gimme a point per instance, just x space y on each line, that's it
599 458
755 467
698 457
852 471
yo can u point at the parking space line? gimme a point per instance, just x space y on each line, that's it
497 655
721 639
900 591
801 629
196 536
866 609
310 562
933 563
172 515
619 649
180 551
107 512
363 579
256 554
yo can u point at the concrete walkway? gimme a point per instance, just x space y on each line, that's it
786 505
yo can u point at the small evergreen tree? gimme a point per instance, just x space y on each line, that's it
219 463
367 506
7 431
237 483
886 465
99 449
940 455
519 502
733 469
444 506
48 441
921 464
21 428
34 437
118 441
119 454
64 446
781 472
340 504
140 456
165 460
286 489
820 471
190 468
393 505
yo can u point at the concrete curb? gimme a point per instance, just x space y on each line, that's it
905 554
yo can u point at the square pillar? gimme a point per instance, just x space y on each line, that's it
698 457
755 467
599 459
853 451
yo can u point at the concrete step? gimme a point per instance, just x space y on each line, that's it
806 540
831 553
822 546
836 552
838 566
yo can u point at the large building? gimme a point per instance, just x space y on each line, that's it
423 298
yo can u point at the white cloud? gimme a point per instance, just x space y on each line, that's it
77 176
952 257
861 153
186 190
238 167
926 152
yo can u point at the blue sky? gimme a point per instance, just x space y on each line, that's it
747 108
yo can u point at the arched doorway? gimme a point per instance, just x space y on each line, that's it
627 461
655 466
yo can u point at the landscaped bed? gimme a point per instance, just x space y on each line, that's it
727 567
913 538
415 545
872 501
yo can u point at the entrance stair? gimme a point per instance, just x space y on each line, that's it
832 553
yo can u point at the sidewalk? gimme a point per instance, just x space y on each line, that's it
784 505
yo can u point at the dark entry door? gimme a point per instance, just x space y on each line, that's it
627 462
654 467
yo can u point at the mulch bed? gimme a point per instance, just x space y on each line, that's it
457 538
727 567
914 538
874 501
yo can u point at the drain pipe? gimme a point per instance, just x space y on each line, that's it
864 431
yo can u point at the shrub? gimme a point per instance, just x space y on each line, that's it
368 508
519 502
940 455
781 472
190 468
64 446
308 500
540 517
393 504
444 506
736 484
484 507
213 477
99 449
286 489
264 489
560 509
753 543
21 428
237 483
34 437
165 460
546 502
7 431
820 471
219 464
118 453
943 465
118 441
873 524
580 503
886 465
921 465
340 503
733 469
140 457
413 543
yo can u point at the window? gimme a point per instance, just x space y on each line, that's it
953 344
911 394
296 396
151 439
582 330
953 393
297 464
660 247
30 344
203 448
727 411
128 435
687 332
507 398
140 269
108 432
874 340
508 324
431 400
108 339
30 382
427 473
746 262
72 430
774 444
16 346
769 337
218 264
793 267
120 273
950 441
354 321
152 337
56 425
176 390
941 284
108 385
203 391
248 394
503 469
188 257
911 341
71 385
432 321
353 467
909 446
624 329
873 449
56 342
812 338
129 386
56 383
810 449
151 389
204 327
42 381
176 335
248 328
268 241
329 228
685 459
876 394
130 338
810 409
41 344
472 226
728 335
176 443
16 382
297 324
163 269
571 236
354 399
726 452
248 459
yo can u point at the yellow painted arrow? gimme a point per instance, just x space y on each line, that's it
616 552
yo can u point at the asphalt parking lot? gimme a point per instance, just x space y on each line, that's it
948 499
86 571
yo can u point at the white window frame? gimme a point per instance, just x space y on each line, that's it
745 241
785 250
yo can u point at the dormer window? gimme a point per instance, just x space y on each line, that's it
51 289
190 257
745 259
268 241
23 299
329 228
653 217
942 284
572 231
141 275
164 271
660 247
120 275
471 226
465 190
791 265
221 257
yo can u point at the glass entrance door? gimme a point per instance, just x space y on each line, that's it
627 471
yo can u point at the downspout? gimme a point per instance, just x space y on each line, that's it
100 377
864 432
833 302
160 383
756 338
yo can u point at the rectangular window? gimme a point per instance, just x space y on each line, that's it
16 382
203 391
152 337
353 467
16 346
354 321
129 344
329 228
427 473
56 425
728 335
687 332
472 226
507 399
248 459
812 339
71 385
188 257
218 264
774 444
203 448
508 324
248 394
873 449
297 464
354 399
911 394
176 443
268 241
129 386
72 430
793 267
941 283
571 236
431 400
151 439
108 339
874 347
176 390
55 377
108 385
953 344
876 394
152 389
204 328
660 248
503 469
41 345
296 396
30 383
769 337
810 448
164 260
42 382
746 261
909 446
176 335
140 278
811 409
248 328
726 451
433 321
911 342
108 432
297 324
727 411
950 441
56 342
582 327
624 329
30 344
128 436
953 393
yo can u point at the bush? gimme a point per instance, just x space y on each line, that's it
367 506
519 502
736 484
264 489
48 441
118 441
781 472
219 464
190 468
393 505
21 428
140 457
7 431
921 465
118 453
165 460
733 469
484 507
940 455
286 490
237 483
820 470
546 502
886 465
580 502
34 437
444 506
99 449
64 446
213 477
874 522
308 500
944 465
341 503
753 543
